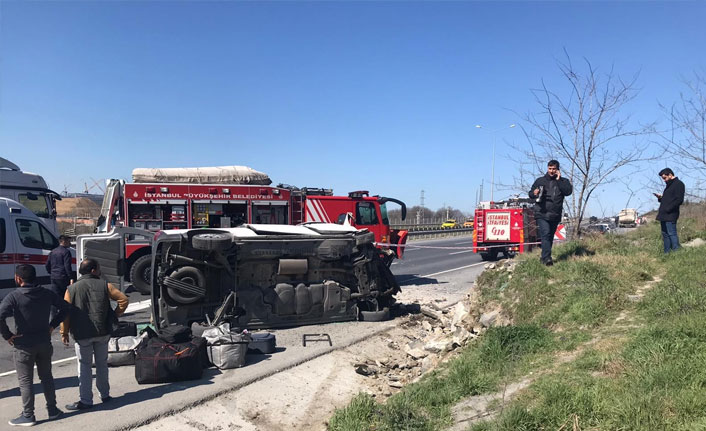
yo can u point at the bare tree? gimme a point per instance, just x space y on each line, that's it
685 139
588 126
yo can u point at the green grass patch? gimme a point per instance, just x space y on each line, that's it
504 352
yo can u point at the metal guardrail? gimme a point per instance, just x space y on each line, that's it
440 233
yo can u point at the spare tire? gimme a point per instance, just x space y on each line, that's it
212 241
194 279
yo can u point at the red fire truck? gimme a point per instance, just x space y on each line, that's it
164 206
504 227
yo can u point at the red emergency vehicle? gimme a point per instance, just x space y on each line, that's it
165 206
504 227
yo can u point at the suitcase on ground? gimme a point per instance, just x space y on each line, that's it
121 351
124 329
228 350
175 334
262 342
157 361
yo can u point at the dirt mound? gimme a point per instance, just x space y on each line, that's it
80 206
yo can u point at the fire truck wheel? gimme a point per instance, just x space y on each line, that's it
509 254
141 273
375 316
491 255
212 241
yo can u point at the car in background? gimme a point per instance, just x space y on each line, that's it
468 224
449 224
598 228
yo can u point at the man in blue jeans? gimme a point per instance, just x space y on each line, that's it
89 322
668 214
29 304
549 191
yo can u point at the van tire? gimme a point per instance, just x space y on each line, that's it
374 316
141 274
212 241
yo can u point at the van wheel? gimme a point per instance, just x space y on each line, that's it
212 241
141 274
374 316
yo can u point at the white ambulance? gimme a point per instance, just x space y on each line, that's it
24 238
31 191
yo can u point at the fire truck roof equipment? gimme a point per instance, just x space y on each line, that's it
203 175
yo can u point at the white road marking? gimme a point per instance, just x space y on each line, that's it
137 306
451 270
459 252
59 361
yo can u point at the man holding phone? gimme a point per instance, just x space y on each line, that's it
668 214
549 192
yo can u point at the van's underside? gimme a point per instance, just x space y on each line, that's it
257 277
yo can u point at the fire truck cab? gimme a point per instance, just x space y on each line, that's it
506 227
361 211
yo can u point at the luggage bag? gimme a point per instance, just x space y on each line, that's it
262 342
121 351
157 361
228 350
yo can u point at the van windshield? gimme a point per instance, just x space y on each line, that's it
35 202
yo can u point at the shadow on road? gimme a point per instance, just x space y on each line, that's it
413 280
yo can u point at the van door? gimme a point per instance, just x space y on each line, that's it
7 259
108 249
33 243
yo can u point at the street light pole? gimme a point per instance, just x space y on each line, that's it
492 166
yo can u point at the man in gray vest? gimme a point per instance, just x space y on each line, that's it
90 323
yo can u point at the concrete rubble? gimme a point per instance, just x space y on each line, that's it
432 336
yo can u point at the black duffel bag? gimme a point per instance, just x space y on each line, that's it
124 329
157 361
175 334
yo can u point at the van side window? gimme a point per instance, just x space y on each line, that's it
33 235
2 235
365 213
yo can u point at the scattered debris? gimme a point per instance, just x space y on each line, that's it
696 242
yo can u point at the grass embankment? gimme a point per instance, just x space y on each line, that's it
596 357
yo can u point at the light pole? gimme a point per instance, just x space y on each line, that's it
492 166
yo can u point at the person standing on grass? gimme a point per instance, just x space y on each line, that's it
549 192
668 214
59 268
29 305
90 323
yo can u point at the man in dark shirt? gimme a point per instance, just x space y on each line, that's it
668 214
29 305
59 268
549 192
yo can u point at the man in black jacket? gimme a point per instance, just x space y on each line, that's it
668 214
29 305
59 268
549 191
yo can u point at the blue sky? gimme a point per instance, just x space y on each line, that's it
381 96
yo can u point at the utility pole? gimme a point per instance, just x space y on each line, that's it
420 213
